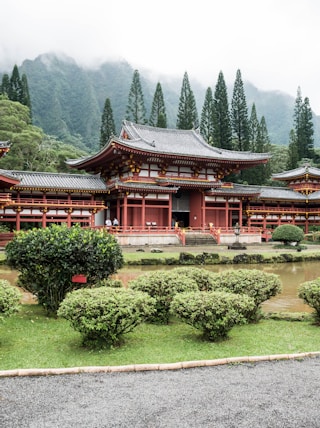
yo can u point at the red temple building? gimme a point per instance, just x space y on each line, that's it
162 183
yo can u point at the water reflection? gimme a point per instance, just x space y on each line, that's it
291 275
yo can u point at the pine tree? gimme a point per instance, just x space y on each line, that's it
5 85
239 115
254 129
158 115
15 90
222 131
187 110
25 96
293 155
303 127
206 121
307 148
107 124
136 111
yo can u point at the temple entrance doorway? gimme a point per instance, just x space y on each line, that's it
181 217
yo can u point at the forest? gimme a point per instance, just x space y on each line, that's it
67 112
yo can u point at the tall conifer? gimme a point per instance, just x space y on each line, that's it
239 115
107 124
136 111
222 130
206 121
158 116
187 110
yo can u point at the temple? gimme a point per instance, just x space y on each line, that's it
161 182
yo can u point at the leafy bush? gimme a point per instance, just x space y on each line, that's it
252 282
162 286
214 312
109 282
9 298
310 292
202 277
103 315
288 233
48 258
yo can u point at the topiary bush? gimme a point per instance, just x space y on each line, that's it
103 315
48 258
287 234
310 292
252 282
9 299
162 286
214 312
202 277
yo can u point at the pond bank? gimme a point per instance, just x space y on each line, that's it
210 255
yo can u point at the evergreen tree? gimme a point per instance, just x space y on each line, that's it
263 146
136 111
25 96
307 148
206 121
239 115
5 85
303 127
107 124
222 130
158 115
254 129
293 155
187 110
15 90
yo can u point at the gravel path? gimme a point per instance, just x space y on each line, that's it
273 394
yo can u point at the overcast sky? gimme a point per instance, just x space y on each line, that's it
275 43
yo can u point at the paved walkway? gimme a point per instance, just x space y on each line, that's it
270 394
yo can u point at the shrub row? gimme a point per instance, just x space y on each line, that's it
201 298
9 299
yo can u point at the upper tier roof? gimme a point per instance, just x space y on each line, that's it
174 143
297 173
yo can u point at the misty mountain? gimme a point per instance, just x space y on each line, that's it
67 99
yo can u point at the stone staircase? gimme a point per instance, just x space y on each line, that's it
199 239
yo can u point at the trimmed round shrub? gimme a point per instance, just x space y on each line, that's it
47 259
103 315
202 277
9 298
162 286
310 293
214 312
288 233
259 285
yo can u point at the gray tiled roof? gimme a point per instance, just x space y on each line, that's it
139 185
172 142
298 172
47 180
180 142
280 193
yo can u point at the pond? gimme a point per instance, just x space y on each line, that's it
291 276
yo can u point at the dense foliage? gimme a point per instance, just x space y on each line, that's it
9 298
204 278
288 233
310 292
103 315
215 312
162 286
187 111
48 258
258 285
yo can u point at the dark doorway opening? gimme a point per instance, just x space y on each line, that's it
181 217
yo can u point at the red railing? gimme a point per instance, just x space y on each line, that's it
55 202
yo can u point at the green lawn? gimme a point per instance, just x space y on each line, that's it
31 340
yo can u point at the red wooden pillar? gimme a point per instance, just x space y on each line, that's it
227 214
240 212
143 210
170 211
124 220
